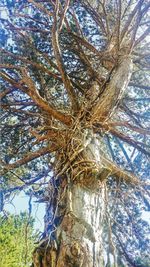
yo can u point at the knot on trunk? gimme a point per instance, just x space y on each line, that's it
45 255
72 254
80 159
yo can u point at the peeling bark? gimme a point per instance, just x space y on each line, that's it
81 230
78 238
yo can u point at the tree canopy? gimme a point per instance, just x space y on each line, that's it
16 240
69 69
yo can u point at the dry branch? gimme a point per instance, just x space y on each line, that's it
31 156
60 64
35 96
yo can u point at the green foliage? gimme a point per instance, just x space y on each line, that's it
16 240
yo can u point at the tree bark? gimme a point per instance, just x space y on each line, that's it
78 238
81 230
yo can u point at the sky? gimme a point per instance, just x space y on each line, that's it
20 203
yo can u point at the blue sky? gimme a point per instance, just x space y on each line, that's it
20 203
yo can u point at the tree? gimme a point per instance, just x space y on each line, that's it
16 240
75 123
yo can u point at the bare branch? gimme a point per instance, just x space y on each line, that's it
39 66
142 37
130 126
34 94
29 157
4 93
130 18
139 86
138 145
63 15
41 7
119 173
60 64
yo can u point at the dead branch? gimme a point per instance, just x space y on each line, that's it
60 64
29 157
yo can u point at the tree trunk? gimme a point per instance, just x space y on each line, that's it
76 241
79 237
76 207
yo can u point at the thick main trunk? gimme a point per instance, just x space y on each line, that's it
78 240
74 235
81 230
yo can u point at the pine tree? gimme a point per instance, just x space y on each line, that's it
75 94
